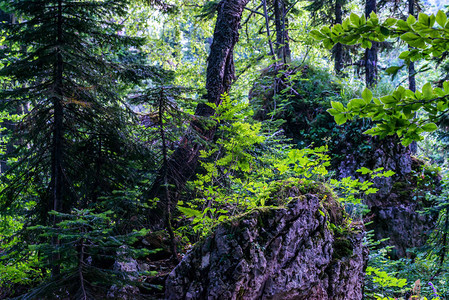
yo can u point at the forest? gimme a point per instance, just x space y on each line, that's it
224 149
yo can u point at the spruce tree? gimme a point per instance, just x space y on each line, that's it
74 145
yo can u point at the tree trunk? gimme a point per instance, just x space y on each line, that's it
283 52
370 54
338 48
411 72
220 74
57 177
411 67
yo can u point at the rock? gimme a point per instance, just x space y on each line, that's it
123 293
127 291
284 253
395 207
306 122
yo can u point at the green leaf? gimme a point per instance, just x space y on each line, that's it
429 127
316 34
373 18
411 20
364 171
387 99
189 212
413 40
441 18
393 70
333 111
446 86
404 55
367 95
356 103
424 19
340 119
427 91
390 22
366 44
338 106
355 19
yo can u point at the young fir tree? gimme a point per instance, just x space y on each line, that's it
74 146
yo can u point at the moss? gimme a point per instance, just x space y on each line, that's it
342 248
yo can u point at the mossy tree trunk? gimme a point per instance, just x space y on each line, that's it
283 52
371 53
338 48
180 167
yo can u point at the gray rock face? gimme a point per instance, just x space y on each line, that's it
287 253
395 207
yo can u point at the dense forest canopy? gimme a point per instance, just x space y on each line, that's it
134 133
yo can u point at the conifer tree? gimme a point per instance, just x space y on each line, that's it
74 143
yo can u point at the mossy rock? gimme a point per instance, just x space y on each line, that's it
342 248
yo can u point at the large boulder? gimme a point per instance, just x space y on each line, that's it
305 250
395 208
303 94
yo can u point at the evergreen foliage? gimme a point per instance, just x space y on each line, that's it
64 62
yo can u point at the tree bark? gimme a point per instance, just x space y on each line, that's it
181 166
57 178
411 72
411 67
283 52
370 54
338 48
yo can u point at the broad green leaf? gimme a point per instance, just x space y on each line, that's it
390 22
316 34
367 95
366 44
402 25
424 19
427 91
404 54
357 102
429 127
387 99
333 111
337 29
441 18
326 30
345 24
393 70
413 40
446 86
340 119
338 106
411 20
328 44
355 19
373 18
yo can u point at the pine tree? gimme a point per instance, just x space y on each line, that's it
74 145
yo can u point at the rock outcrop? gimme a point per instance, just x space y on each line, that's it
395 208
276 253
